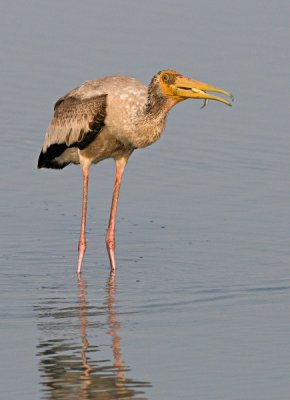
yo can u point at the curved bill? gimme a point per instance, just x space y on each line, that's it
186 88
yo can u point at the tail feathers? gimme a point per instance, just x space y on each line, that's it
48 158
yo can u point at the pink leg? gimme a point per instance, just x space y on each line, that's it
82 241
110 237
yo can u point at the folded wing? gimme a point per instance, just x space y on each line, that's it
76 123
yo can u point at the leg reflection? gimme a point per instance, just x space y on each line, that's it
83 324
72 349
115 326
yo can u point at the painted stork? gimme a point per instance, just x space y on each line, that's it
110 118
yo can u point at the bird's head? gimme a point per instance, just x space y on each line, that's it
177 87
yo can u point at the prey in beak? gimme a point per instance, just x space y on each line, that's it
181 88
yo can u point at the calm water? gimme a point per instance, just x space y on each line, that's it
200 305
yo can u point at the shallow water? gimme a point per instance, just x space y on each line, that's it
199 308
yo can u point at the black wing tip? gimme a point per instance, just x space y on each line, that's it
44 161
41 162
52 165
48 158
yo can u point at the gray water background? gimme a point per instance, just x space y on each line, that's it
200 305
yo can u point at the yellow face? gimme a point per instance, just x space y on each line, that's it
179 88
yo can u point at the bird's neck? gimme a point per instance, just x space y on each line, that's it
149 123
151 119
157 103
155 106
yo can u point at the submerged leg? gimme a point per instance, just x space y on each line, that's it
110 237
82 241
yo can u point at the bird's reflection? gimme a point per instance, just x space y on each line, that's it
114 328
76 371
83 326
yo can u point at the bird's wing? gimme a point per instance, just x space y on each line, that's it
76 123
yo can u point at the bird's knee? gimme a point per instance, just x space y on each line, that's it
110 243
82 246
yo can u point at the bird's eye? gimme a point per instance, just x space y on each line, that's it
165 78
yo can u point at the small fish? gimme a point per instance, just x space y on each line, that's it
204 103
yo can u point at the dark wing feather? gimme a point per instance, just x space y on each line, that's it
76 123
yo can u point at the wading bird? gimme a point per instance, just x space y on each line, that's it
110 118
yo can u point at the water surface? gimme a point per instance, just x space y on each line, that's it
199 306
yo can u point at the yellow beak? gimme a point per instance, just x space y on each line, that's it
186 88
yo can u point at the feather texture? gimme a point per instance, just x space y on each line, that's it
103 118
76 123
